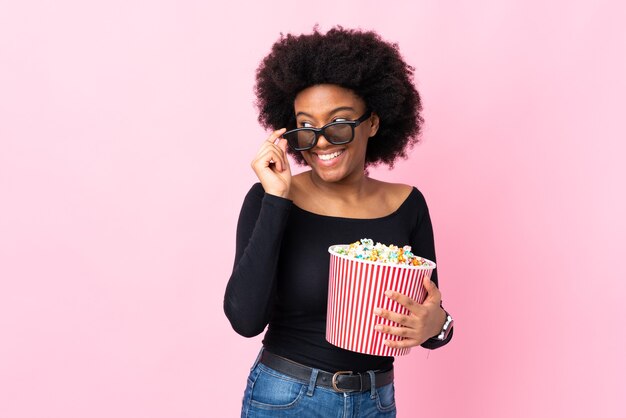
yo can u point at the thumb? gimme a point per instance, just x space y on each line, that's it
282 144
428 284
431 289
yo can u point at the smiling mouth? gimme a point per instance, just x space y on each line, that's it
328 157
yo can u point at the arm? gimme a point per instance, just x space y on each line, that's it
426 319
423 243
251 289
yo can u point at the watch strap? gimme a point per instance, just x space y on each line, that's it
445 330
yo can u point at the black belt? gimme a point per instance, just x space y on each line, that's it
342 381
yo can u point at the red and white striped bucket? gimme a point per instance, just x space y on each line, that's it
355 288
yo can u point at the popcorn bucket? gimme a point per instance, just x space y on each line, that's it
355 288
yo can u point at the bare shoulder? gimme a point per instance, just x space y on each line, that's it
390 195
391 191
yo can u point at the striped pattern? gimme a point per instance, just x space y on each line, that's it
355 288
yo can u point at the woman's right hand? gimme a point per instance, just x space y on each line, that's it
272 166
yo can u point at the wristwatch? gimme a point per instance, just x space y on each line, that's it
445 331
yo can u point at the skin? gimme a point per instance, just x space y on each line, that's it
339 187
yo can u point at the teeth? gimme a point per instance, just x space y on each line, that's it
326 157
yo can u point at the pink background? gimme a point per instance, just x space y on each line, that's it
126 133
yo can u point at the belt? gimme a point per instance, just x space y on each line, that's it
342 381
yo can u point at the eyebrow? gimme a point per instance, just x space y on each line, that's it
338 109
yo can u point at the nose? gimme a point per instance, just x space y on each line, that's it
322 142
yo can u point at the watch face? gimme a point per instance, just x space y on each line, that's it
446 328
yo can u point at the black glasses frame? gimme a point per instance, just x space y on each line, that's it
321 131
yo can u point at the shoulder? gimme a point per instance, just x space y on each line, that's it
393 193
401 196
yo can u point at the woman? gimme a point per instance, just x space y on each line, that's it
338 102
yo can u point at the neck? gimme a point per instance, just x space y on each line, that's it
349 189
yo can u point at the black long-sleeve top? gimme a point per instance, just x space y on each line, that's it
280 274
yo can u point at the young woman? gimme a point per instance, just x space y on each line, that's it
338 102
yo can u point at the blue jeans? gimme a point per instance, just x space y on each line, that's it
273 394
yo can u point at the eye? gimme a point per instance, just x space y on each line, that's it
340 119
305 125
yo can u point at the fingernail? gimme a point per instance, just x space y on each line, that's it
388 293
378 327
377 311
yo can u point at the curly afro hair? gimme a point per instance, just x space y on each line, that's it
357 60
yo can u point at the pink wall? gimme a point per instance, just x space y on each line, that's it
126 131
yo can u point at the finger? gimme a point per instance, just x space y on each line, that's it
275 135
266 146
400 319
407 334
429 284
403 300
273 157
434 295
399 331
282 144
406 343
271 147
265 160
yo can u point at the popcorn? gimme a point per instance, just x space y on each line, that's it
359 274
366 250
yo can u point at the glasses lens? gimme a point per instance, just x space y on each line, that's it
339 133
301 139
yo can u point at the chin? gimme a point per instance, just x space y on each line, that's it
327 175
332 176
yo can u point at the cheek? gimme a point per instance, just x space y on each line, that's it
360 147
306 155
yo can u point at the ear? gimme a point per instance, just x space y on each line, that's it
375 123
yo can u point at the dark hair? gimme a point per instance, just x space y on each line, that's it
354 59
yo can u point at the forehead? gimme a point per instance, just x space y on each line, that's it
322 99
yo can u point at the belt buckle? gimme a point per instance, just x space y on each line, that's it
334 381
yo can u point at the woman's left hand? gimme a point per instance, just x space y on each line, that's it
424 321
